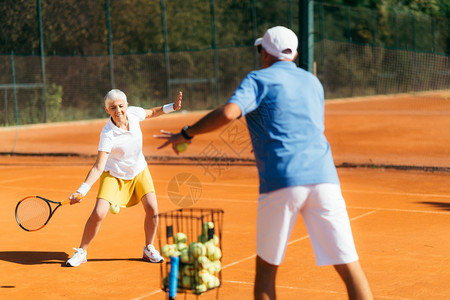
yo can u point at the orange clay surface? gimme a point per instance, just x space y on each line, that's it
400 219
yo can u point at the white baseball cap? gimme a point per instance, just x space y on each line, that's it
280 42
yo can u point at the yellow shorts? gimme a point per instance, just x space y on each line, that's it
125 193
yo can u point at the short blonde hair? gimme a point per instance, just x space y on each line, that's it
115 94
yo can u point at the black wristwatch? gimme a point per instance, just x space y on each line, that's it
184 133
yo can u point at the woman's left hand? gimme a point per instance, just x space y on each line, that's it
177 103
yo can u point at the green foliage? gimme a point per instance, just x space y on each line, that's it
79 26
19 27
436 8
136 26
33 107
53 102
74 27
205 38
415 7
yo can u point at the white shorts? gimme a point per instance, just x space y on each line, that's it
324 213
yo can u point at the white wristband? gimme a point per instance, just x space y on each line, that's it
84 189
168 108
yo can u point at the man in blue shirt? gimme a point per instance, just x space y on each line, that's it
284 109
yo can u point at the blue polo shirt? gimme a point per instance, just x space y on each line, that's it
284 109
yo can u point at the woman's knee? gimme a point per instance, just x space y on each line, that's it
150 203
100 210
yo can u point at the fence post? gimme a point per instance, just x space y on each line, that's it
322 41
166 49
13 71
214 46
375 27
110 46
433 34
256 55
289 13
396 29
306 30
349 46
6 106
413 28
375 48
41 49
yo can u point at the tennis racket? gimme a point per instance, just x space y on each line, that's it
34 212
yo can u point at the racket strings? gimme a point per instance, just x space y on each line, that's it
33 213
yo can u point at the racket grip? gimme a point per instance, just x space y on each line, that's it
66 201
173 276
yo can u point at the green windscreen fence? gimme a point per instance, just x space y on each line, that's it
76 84
152 49
352 70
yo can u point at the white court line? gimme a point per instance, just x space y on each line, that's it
398 193
311 290
19 179
230 200
299 288
343 190
292 242
363 215
34 190
396 97
239 261
438 212
286 287
159 196
215 184
255 186
216 199
29 178
403 210
387 113
149 294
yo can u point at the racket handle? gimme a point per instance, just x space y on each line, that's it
66 201
173 276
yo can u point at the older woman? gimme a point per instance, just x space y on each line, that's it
125 179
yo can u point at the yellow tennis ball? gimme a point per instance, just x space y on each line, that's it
216 255
215 240
180 237
181 147
217 266
210 248
197 249
114 208
186 282
199 289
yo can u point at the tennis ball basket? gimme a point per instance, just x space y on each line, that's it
190 240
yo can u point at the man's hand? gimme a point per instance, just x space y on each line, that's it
171 138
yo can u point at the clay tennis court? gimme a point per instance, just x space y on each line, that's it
393 155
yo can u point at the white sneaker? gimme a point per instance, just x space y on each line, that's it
78 258
152 255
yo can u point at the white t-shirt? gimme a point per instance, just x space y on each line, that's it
126 159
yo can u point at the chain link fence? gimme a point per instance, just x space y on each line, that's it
58 60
